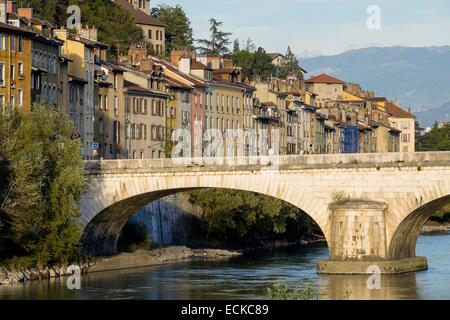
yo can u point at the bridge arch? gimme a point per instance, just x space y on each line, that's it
101 232
404 239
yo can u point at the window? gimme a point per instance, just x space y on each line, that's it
100 102
12 73
154 107
116 107
21 72
106 103
3 41
405 125
150 34
142 106
116 133
2 74
115 81
100 126
20 44
13 42
11 101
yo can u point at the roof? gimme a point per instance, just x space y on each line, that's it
76 79
130 86
139 16
87 42
274 55
196 65
324 78
398 112
225 70
112 65
197 82
174 83
11 28
269 104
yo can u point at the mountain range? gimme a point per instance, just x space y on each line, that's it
414 77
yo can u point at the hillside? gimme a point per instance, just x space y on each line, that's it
416 77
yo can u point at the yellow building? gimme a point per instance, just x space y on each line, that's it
153 30
326 88
15 67
82 49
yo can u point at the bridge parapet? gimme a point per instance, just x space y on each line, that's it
374 160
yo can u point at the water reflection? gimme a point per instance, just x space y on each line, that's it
393 287
249 277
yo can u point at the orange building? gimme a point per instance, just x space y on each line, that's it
15 67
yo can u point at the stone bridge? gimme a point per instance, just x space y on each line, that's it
370 207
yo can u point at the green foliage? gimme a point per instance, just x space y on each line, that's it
438 139
253 64
283 292
442 215
290 66
115 26
237 216
42 179
263 67
178 30
217 44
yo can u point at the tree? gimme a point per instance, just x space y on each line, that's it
245 60
116 27
42 180
237 216
290 66
178 30
217 44
262 65
438 139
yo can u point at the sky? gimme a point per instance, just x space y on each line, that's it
325 26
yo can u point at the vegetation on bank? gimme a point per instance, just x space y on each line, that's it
438 139
283 292
246 218
41 180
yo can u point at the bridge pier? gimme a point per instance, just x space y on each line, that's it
358 241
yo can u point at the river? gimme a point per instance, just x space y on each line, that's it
248 277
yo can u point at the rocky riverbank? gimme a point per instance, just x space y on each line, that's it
137 259
10 276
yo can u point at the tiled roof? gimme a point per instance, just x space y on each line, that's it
324 78
196 65
130 86
197 82
398 112
139 16
8 27
269 104
174 83
274 55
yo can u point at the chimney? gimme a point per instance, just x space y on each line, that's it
25 12
3 14
87 32
185 65
10 6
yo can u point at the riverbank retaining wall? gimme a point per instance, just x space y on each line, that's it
172 220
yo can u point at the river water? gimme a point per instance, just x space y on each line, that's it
248 277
